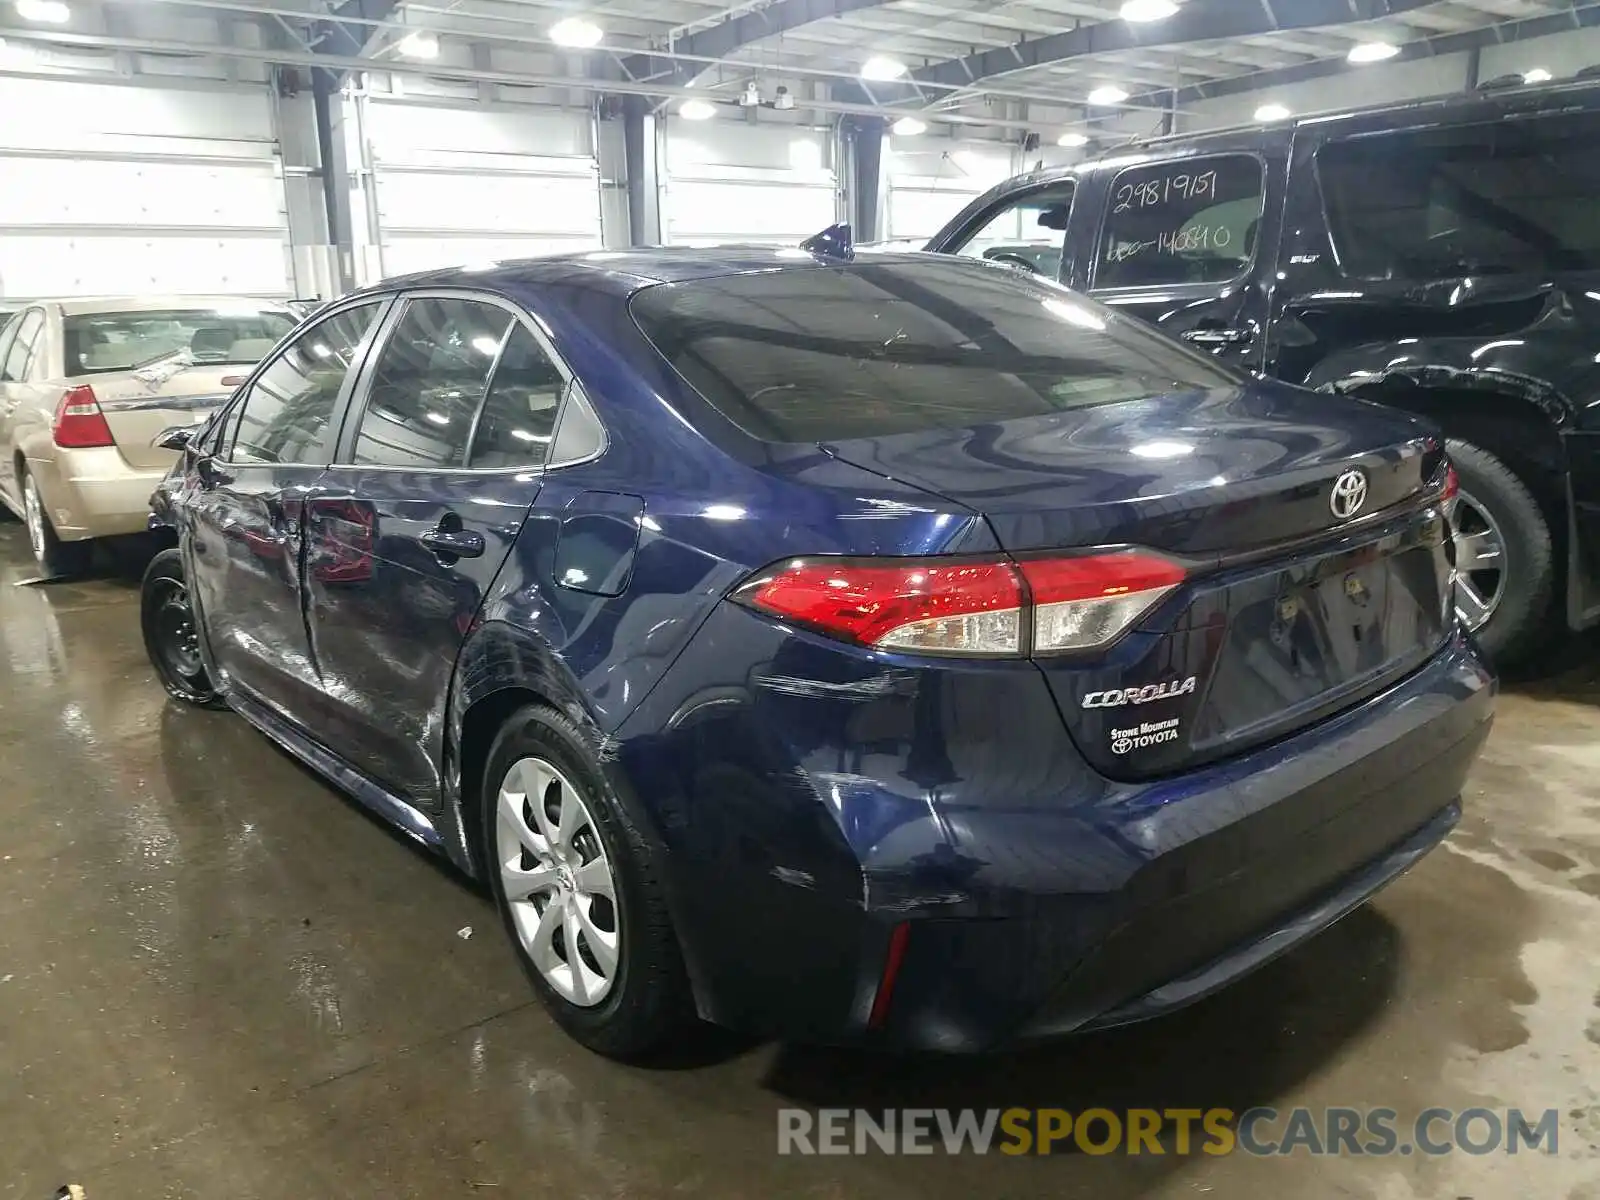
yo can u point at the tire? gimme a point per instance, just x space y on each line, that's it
1493 500
55 557
646 1002
171 636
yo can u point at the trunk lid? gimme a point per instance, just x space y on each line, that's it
138 405
1290 611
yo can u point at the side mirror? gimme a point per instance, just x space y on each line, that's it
1056 217
176 437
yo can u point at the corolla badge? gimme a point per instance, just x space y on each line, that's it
1349 494
1118 697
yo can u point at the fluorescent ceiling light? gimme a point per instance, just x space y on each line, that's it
1272 112
576 32
51 12
909 127
697 110
1371 52
1109 94
1537 75
419 45
1148 10
882 69
1073 140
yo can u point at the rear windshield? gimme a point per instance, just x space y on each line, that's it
880 348
125 341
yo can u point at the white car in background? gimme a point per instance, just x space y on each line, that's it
85 387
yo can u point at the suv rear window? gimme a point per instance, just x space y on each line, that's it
1194 221
1512 196
879 348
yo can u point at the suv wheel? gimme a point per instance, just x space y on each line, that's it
1505 564
55 557
572 879
171 638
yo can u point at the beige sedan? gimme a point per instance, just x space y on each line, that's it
85 385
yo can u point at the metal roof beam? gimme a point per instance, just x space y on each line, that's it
1584 14
721 40
1197 21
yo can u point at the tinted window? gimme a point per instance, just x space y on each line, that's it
1512 196
20 355
123 341
430 379
285 417
877 348
519 414
1190 222
1027 232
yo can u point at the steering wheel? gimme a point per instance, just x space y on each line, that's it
1014 260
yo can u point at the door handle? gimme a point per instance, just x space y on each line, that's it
450 541
1217 337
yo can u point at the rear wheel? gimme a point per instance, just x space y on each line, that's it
573 881
1505 561
171 637
55 557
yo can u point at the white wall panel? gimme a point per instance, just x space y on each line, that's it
139 187
475 184
745 183
931 179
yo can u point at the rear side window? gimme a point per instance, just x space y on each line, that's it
1194 221
1513 196
876 348
519 413
430 378
20 355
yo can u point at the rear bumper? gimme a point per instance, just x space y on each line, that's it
800 824
94 493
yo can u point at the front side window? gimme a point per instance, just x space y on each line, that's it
18 358
1194 221
286 417
1509 197
1027 232
880 348
430 378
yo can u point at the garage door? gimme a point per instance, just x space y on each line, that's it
119 188
929 185
464 185
745 183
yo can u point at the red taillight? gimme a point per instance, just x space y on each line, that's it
992 607
1081 603
79 424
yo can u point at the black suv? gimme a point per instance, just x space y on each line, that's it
1441 256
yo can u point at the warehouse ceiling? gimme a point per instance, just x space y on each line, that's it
962 60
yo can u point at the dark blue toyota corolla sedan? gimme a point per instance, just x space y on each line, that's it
886 649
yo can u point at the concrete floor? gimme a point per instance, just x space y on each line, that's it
220 979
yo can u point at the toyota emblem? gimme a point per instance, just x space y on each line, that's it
1349 494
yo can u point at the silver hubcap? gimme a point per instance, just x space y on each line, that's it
1480 563
558 881
33 512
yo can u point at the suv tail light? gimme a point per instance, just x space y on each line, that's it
980 607
79 424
